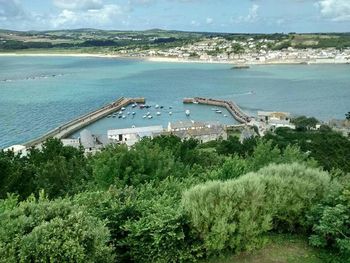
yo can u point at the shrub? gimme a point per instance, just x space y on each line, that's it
236 213
38 230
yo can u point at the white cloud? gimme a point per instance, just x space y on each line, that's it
104 16
79 4
336 10
195 23
11 9
209 20
253 15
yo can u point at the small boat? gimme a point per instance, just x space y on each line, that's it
241 66
114 116
142 106
123 109
161 107
134 106
109 116
150 117
170 113
218 111
157 106
120 113
120 116
213 109
123 116
148 113
225 115
170 107
196 102
133 113
158 113
144 116
128 113
188 113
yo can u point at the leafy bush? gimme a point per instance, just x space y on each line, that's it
144 163
331 222
236 213
38 230
147 224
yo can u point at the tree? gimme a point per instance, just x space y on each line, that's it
305 123
347 116
39 230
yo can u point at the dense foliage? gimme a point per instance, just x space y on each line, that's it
39 230
167 200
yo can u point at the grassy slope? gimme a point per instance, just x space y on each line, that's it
280 249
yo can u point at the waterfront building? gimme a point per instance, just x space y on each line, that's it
273 120
17 149
130 136
201 131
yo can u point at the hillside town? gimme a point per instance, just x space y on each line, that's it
247 51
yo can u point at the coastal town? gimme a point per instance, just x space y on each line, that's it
250 51
178 46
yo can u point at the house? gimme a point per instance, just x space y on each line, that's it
17 149
90 142
275 119
133 135
201 131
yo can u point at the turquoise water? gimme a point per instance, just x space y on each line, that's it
41 93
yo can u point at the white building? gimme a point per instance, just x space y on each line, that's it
133 135
17 149
275 119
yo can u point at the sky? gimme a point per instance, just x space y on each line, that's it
235 16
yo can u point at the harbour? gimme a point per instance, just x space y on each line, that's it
31 108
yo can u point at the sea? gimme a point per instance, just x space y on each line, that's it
38 94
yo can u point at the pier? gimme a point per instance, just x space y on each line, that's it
232 107
69 128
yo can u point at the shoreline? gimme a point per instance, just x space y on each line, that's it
175 60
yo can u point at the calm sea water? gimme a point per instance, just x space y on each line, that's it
38 94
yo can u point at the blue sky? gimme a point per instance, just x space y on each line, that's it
260 16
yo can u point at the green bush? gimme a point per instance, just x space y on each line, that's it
147 224
236 213
143 163
331 222
39 230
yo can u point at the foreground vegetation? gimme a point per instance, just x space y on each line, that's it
165 200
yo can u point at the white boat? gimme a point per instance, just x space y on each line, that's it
123 109
225 115
120 113
123 116
188 113
133 113
144 116
196 102
128 113
148 113
158 113
170 113
218 111
157 106
213 109
150 117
